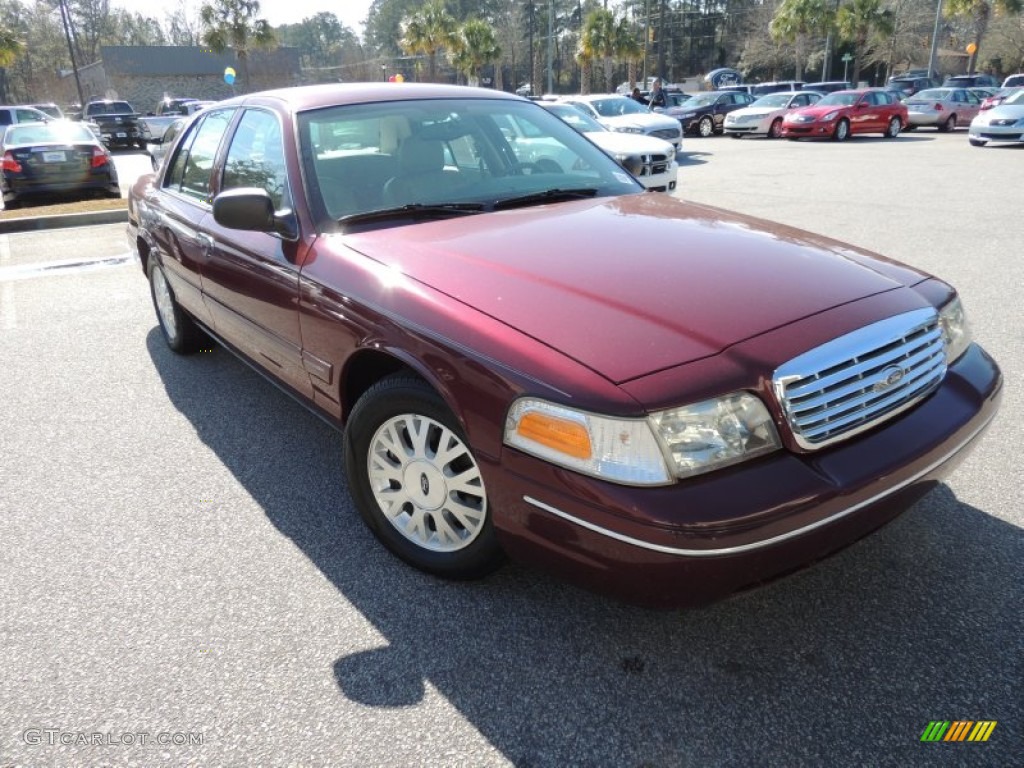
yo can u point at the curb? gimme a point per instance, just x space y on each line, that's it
36 223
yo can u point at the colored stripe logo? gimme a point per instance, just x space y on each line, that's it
958 730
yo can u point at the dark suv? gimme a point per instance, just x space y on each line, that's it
971 81
908 85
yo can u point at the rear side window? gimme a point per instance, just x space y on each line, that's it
192 165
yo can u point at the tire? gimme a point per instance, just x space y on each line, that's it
180 331
775 129
10 205
393 440
893 130
978 142
705 127
949 125
842 131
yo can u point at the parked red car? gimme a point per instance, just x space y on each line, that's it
653 398
842 114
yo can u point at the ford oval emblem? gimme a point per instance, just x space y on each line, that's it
891 376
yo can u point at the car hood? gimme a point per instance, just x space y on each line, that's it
685 110
651 121
743 111
634 284
630 143
816 110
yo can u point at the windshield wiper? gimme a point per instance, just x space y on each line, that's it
546 196
413 211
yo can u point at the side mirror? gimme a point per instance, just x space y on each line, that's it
250 208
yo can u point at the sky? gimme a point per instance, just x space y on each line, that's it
350 12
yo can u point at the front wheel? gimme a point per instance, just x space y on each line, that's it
180 331
949 125
706 127
775 131
841 131
894 128
416 482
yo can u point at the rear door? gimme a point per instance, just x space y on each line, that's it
184 202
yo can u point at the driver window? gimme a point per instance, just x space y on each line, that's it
256 157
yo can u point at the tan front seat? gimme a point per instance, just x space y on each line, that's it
421 176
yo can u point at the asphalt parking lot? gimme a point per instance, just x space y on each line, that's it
184 581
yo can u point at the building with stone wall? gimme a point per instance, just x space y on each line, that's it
144 74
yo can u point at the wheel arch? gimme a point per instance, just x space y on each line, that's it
369 365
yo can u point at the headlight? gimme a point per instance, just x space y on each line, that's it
629 129
716 433
621 450
688 116
694 439
956 333
632 163
830 116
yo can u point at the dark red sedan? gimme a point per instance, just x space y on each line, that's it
660 400
842 114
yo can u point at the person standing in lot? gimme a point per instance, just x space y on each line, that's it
657 97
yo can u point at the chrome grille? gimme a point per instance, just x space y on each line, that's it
668 134
654 165
861 379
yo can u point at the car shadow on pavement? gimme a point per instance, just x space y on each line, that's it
842 663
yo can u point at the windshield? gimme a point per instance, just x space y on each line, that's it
582 122
1016 98
48 133
616 106
773 100
702 100
932 94
839 99
445 154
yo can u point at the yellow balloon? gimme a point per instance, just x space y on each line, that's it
230 71
971 48
399 78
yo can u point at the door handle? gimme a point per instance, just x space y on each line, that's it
206 243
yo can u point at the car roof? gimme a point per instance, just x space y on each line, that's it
304 97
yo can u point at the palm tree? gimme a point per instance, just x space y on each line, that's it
428 31
859 23
476 47
236 24
981 11
628 47
605 39
10 49
797 20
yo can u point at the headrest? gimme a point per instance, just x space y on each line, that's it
420 156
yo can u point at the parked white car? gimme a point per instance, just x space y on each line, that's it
764 116
652 161
1002 123
623 114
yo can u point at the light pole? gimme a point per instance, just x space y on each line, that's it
384 72
935 39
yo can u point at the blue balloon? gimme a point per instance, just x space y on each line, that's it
229 79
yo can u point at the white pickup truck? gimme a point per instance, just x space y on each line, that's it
153 124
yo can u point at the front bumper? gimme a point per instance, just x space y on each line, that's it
808 130
996 133
742 526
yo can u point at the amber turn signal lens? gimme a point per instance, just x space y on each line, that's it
564 436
